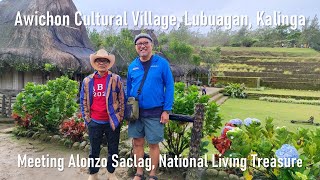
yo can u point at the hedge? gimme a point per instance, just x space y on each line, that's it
290 100
291 85
286 79
248 81
280 63
263 74
256 96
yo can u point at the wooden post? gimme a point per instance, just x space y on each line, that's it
3 111
194 173
9 107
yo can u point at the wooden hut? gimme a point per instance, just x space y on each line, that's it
37 53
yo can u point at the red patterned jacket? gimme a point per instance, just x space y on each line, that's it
114 98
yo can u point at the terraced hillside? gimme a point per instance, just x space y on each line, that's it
285 68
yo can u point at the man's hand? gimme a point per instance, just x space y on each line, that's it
164 117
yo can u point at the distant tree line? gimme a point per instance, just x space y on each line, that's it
190 49
177 46
280 36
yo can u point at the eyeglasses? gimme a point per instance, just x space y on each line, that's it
104 61
142 43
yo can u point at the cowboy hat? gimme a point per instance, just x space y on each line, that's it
102 54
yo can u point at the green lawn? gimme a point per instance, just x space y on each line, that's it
282 113
287 92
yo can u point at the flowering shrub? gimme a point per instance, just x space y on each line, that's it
287 152
22 121
236 122
226 129
222 143
277 145
48 104
249 121
74 128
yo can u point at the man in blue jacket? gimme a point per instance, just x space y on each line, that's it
155 101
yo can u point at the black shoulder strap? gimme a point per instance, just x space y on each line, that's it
144 76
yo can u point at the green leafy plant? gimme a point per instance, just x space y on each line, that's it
48 104
275 143
74 128
22 122
235 90
49 67
178 134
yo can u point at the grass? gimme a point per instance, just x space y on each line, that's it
287 92
291 52
238 68
282 113
282 59
262 57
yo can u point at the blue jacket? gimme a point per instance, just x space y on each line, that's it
158 88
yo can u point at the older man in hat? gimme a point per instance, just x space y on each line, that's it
102 107
155 101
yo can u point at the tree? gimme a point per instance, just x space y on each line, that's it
210 56
218 37
95 38
180 53
123 47
293 37
183 33
243 38
118 43
310 34
264 37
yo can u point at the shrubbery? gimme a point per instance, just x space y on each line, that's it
235 90
290 100
178 134
273 144
74 128
46 106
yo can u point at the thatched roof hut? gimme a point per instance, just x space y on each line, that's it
199 70
66 47
176 70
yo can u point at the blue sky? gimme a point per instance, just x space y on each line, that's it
308 8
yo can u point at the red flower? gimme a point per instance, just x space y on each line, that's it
24 122
73 129
79 115
222 143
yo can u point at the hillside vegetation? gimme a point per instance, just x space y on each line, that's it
284 68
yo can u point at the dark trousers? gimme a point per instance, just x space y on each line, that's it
96 132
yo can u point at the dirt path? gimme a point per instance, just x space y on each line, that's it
11 148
